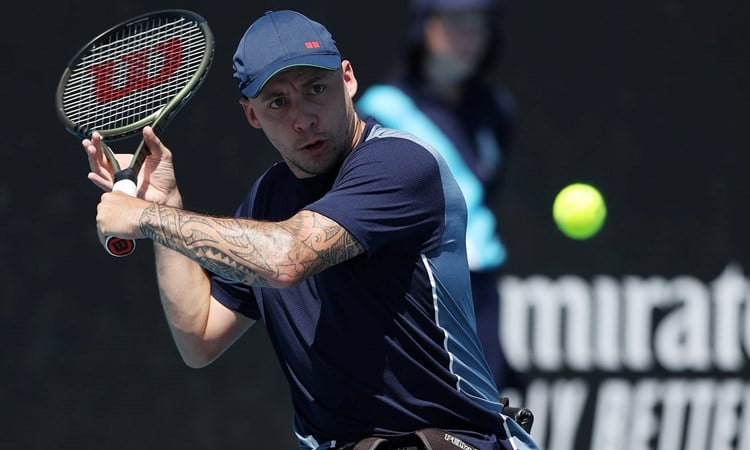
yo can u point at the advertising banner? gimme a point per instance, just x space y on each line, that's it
628 362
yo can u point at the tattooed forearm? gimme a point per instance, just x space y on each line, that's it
328 240
214 243
253 252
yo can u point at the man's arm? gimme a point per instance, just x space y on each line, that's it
260 253
270 254
201 326
257 253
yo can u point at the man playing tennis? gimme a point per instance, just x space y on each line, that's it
351 251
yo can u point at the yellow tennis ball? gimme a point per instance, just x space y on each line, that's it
579 211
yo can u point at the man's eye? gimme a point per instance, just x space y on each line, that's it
317 89
276 103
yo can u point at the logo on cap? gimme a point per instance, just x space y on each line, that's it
312 44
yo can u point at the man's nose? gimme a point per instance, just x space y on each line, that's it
305 118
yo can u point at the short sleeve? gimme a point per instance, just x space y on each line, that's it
388 192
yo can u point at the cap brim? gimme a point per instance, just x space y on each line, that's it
327 62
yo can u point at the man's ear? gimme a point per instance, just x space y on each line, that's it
350 81
247 108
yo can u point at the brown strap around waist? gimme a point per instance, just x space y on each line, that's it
426 439
371 443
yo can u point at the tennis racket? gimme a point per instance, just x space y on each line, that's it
140 72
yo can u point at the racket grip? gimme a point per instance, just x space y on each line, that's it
118 247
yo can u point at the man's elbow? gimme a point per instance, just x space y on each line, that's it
283 279
196 364
197 359
286 281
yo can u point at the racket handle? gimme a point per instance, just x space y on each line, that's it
124 182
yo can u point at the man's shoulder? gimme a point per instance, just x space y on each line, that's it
379 131
394 147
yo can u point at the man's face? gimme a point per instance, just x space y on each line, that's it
308 115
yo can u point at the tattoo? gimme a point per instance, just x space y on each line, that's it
249 251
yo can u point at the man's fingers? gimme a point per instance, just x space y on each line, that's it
152 140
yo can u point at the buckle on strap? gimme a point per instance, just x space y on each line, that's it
522 416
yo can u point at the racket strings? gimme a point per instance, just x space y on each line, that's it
133 73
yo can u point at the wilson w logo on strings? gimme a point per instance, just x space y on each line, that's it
136 72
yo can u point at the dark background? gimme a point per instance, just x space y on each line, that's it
646 99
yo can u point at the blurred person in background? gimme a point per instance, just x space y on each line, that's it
441 91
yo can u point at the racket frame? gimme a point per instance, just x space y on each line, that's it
125 180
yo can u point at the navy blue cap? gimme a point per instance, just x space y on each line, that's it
277 41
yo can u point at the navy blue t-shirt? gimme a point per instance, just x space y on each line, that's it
384 343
